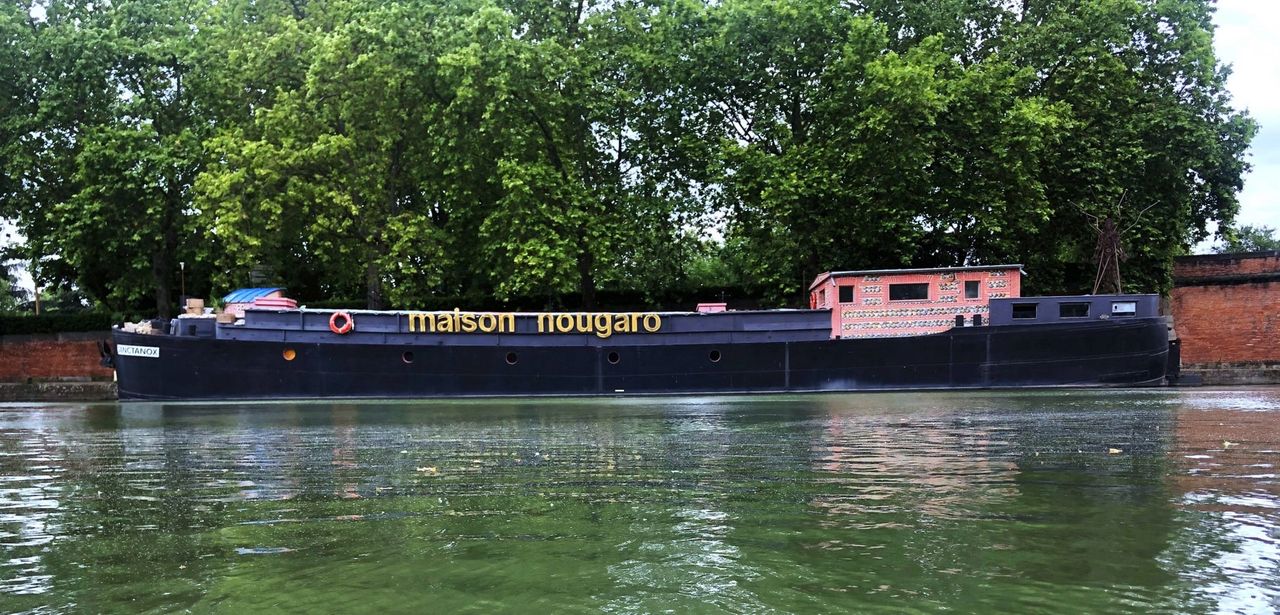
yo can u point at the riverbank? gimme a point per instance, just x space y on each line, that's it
55 367
57 391
1241 374
106 391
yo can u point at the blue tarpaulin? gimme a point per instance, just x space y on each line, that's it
247 295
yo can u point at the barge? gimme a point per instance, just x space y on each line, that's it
865 331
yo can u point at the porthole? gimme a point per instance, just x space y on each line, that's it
714 356
512 358
407 357
289 354
613 358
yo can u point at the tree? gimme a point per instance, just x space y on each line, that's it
433 150
525 151
974 132
844 153
329 174
1149 117
1248 238
11 295
111 143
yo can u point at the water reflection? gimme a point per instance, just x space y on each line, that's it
1228 446
1048 501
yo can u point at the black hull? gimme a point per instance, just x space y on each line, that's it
1099 353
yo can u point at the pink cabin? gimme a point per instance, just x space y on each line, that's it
900 302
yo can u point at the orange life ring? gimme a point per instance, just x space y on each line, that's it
347 323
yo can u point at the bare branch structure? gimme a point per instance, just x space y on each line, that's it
1109 250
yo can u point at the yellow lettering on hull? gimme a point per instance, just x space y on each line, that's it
602 324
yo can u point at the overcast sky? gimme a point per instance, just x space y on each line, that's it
1248 38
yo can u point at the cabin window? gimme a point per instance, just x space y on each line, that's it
846 294
1024 311
1124 308
909 292
971 289
822 298
1073 310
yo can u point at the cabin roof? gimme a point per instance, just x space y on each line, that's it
842 274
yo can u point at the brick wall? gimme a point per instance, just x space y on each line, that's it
1228 324
63 356
1188 268
1226 308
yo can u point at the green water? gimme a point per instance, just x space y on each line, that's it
1071 502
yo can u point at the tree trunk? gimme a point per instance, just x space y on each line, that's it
163 259
161 263
373 284
392 207
586 279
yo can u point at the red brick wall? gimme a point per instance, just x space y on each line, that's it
1220 265
51 357
1229 323
1226 308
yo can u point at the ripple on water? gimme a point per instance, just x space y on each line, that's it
262 550
928 502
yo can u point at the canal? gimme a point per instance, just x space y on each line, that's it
1047 501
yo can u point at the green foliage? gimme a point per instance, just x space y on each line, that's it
1248 238
930 144
10 299
501 150
108 143
55 323
1150 118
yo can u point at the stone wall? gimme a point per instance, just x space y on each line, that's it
57 391
1226 310
59 357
